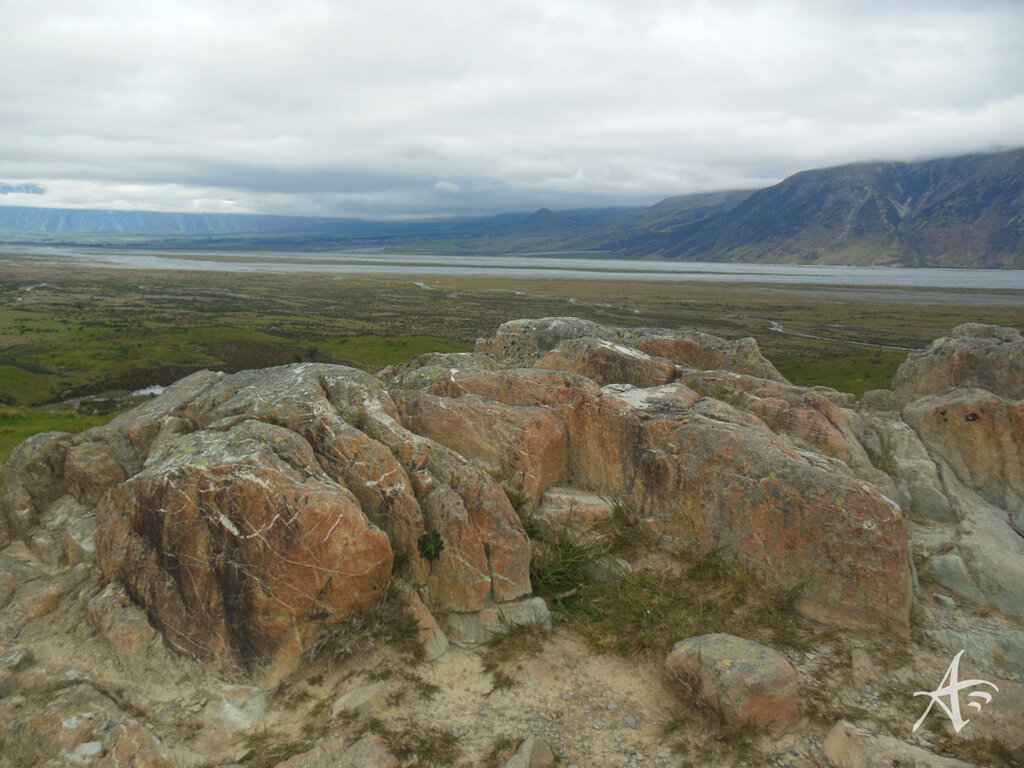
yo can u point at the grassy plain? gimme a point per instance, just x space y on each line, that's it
68 332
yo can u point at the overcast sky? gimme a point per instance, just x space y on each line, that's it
384 108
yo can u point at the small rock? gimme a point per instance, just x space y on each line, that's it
746 682
237 707
362 700
41 598
863 666
432 638
853 747
532 753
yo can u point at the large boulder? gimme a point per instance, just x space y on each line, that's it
248 512
980 436
747 683
524 343
238 545
972 355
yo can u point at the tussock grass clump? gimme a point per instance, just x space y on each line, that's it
521 641
558 569
387 623
648 611
416 745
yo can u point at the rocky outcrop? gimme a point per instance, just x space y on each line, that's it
619 354
973 355
250 519
952 435
797 518
249 513
980 437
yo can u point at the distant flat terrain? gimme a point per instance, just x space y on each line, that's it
68 331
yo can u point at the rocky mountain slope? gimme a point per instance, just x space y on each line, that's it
951 212
314 565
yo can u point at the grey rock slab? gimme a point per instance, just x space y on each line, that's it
364 699
479 627
532 753
853 747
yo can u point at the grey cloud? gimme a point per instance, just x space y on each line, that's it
399 108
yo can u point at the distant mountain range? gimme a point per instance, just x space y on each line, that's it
964 211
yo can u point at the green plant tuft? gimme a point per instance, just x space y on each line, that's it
430 545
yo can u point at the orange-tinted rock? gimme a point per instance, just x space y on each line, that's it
797 412
981 436
608 363
721 475
41 597
736 485
235 552
523 447
973 355
747 683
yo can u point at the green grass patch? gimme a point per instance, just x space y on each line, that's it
378 351
856 373
648 611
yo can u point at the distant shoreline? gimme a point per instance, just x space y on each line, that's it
535 267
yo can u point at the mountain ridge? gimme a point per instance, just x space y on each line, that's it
965 211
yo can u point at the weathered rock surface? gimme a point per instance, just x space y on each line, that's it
747 683
952 436
580 515
523 343
369 752
608 363
700 465
980 436
853 747
524 447
972 356
245 513
532 753
233 539
801 414
893 443
74 724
